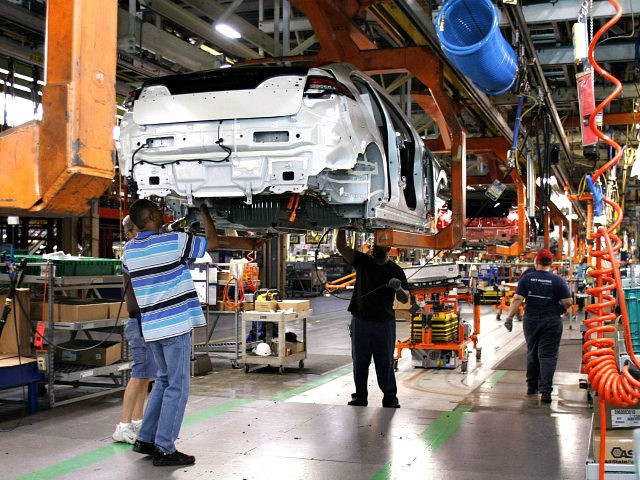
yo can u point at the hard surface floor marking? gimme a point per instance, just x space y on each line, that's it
433 437
102 453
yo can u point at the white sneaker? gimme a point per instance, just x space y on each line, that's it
124 433
136 425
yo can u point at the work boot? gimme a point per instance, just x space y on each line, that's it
175 459
145 448
357 401
390 402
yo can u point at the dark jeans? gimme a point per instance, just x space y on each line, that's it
377 340
543 335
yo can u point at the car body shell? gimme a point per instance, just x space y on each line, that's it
280 148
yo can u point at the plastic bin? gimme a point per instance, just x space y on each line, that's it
632 299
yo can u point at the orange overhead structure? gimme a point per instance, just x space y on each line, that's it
57 166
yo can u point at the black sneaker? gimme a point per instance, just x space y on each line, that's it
358 403
545 397
145 448
175 459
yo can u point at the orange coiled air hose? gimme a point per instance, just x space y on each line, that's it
614 386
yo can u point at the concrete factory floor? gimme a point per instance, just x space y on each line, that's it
266 425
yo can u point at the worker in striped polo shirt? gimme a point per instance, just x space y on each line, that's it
158 265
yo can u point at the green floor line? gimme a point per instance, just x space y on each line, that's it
433 437
99 454
308 386
77 462
209 413
494 378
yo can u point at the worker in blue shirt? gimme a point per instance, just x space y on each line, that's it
158 265
548 297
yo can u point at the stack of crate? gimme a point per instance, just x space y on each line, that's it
444 326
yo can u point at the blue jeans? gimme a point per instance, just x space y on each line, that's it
542 335
168 398
143 364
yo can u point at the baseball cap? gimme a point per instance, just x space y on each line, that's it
544 256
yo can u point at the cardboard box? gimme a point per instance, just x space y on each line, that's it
295 305
617 417
401 306
404 315
17 330
89 352
248 306
619 446
266 305
290 347
76 310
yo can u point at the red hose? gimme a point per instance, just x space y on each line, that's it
614 386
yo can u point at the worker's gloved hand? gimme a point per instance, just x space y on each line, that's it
508 323
395 283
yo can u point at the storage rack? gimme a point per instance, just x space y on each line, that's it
115 376
229 349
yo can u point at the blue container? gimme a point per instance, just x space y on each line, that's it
470 37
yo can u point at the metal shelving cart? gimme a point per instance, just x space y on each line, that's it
282 319
102 380
203 340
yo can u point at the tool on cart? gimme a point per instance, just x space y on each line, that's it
16 273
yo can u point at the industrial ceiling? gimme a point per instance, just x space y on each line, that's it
158 37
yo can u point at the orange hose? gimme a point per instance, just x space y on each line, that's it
240 296
614 386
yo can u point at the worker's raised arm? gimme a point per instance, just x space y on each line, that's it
218 242
345 250
209 228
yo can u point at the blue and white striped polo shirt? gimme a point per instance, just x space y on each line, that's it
162 284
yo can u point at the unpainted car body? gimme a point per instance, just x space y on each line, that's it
280 148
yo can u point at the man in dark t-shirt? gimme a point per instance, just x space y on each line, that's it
373 325
548 297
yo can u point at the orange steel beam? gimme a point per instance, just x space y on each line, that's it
57 166
630 118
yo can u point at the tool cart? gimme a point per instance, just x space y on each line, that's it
283 353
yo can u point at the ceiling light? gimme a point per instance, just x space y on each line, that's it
227 31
